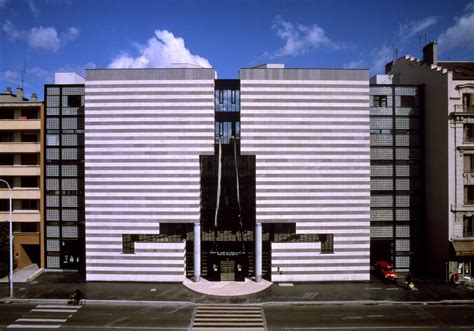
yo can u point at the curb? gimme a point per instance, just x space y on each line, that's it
275 303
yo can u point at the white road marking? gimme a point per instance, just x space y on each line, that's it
54 310
55 306
55 320
33 326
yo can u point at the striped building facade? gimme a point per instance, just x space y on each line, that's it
309 130
306 132
145 131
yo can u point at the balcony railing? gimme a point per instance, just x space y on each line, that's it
463 108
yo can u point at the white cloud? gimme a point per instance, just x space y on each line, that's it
79 69
375 60
70 34
44 38
162 50
461 34
11 76
300 39
356 64
11 31
380 57
3 3
470 6
33 7
413 28
38 72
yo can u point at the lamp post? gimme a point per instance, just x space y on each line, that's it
11 237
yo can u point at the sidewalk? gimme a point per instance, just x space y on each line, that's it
59 286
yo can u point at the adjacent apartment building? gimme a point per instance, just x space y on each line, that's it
20 166
267 176
64 173
449 155
397 187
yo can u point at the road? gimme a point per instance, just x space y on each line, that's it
276 317
370 317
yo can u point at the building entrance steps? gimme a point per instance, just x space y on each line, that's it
24 275
227 288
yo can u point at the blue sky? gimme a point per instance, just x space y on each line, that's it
70 35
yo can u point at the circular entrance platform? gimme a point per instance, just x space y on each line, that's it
227 289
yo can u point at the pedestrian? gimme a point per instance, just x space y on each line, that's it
409 282
76 297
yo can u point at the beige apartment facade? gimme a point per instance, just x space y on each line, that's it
449 159
21 166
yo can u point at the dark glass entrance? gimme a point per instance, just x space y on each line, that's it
227 195
227 248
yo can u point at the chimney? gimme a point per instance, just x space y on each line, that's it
430 53
9 90
389 66
19 93
34 97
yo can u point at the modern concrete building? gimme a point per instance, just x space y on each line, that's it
64 172
20 166
448 98
189 176
397 188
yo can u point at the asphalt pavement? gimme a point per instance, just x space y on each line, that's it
59 285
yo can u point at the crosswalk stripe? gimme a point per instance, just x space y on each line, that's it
54 310
228 318
42 317
55 306
34 326
54 320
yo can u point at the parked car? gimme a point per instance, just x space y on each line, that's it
385 270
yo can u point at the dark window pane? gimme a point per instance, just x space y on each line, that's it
407 101
74 101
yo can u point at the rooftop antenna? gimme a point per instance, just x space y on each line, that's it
23 73
282 55
419 42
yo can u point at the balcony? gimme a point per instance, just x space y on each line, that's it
464 109
20 124
20 147
20 170
21 193
21 216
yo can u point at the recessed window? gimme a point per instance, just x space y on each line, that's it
29 137
128 243
6 159
469 195
4 204
380 101
29 159
407 101
468 226
6 137
468 163
469 133
29 114
468 101
74 101
29 181
327 243
28 204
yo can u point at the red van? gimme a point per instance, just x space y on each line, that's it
385 270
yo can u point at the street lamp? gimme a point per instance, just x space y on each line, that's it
11 238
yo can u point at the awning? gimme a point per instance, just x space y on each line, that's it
463 248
